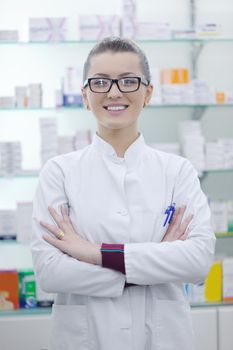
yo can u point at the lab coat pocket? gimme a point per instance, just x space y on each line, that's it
173 326
69 328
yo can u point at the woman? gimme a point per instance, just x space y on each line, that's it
114 253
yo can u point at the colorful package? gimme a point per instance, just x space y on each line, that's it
9 299
27 289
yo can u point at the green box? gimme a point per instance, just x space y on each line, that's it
27 289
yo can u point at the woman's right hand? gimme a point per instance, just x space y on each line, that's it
178 228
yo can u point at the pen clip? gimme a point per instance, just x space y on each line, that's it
172 211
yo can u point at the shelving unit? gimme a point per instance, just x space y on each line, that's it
208 315
198 109
57 109
48 310
150 41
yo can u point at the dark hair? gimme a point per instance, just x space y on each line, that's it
117 44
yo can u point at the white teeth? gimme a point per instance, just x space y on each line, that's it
116 108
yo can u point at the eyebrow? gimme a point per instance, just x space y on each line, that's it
120 75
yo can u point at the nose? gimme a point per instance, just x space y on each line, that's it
114 91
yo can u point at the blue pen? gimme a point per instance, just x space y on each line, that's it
167 211
170 212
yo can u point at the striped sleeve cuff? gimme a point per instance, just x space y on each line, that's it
113 257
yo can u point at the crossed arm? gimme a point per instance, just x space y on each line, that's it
66 239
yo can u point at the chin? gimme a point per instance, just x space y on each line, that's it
114 127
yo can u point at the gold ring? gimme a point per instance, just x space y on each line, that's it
60 235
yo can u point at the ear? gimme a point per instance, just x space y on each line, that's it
149 92
84 97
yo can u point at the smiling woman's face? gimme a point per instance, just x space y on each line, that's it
115 109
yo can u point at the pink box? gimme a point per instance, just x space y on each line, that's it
96 27
48 29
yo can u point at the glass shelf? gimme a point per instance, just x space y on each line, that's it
145 41
187 40
59 109
186 105
221 235
216 171
45 109
211 304
26 175
14 242
48 310
224 234
27 312
35 174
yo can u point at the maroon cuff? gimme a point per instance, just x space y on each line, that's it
113 256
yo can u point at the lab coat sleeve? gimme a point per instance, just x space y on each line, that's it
179 261
57 272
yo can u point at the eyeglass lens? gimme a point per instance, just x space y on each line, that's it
125 84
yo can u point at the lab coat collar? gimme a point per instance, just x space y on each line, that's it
132 155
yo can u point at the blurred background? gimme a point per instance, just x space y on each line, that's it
43 46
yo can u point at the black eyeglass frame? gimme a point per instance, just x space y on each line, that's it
87 82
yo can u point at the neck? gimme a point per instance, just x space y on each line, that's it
119 139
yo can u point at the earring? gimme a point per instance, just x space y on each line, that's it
144 104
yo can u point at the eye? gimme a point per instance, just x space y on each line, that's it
129 81
99 82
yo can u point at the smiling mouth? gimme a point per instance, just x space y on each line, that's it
116 108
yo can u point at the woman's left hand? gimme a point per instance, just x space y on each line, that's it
68 240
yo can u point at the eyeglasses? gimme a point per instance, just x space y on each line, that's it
126 84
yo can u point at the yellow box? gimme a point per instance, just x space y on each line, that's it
174 76
220 97
213 283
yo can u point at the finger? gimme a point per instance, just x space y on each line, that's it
56 217
53 241
53 229
49 227
185 223
178 218
180 231
185 235
64 214
175 216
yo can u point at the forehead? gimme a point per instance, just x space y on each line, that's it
115 63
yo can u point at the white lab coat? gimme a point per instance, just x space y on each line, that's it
115 200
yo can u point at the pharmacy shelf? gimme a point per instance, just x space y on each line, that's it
48 310
219 235
189 105
211 304
20 176
145 41
224 234
26 312
218 171
35 174
58 109
9 241
42 109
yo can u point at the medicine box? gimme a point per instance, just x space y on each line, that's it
27 289
96 27
9 299
48 29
